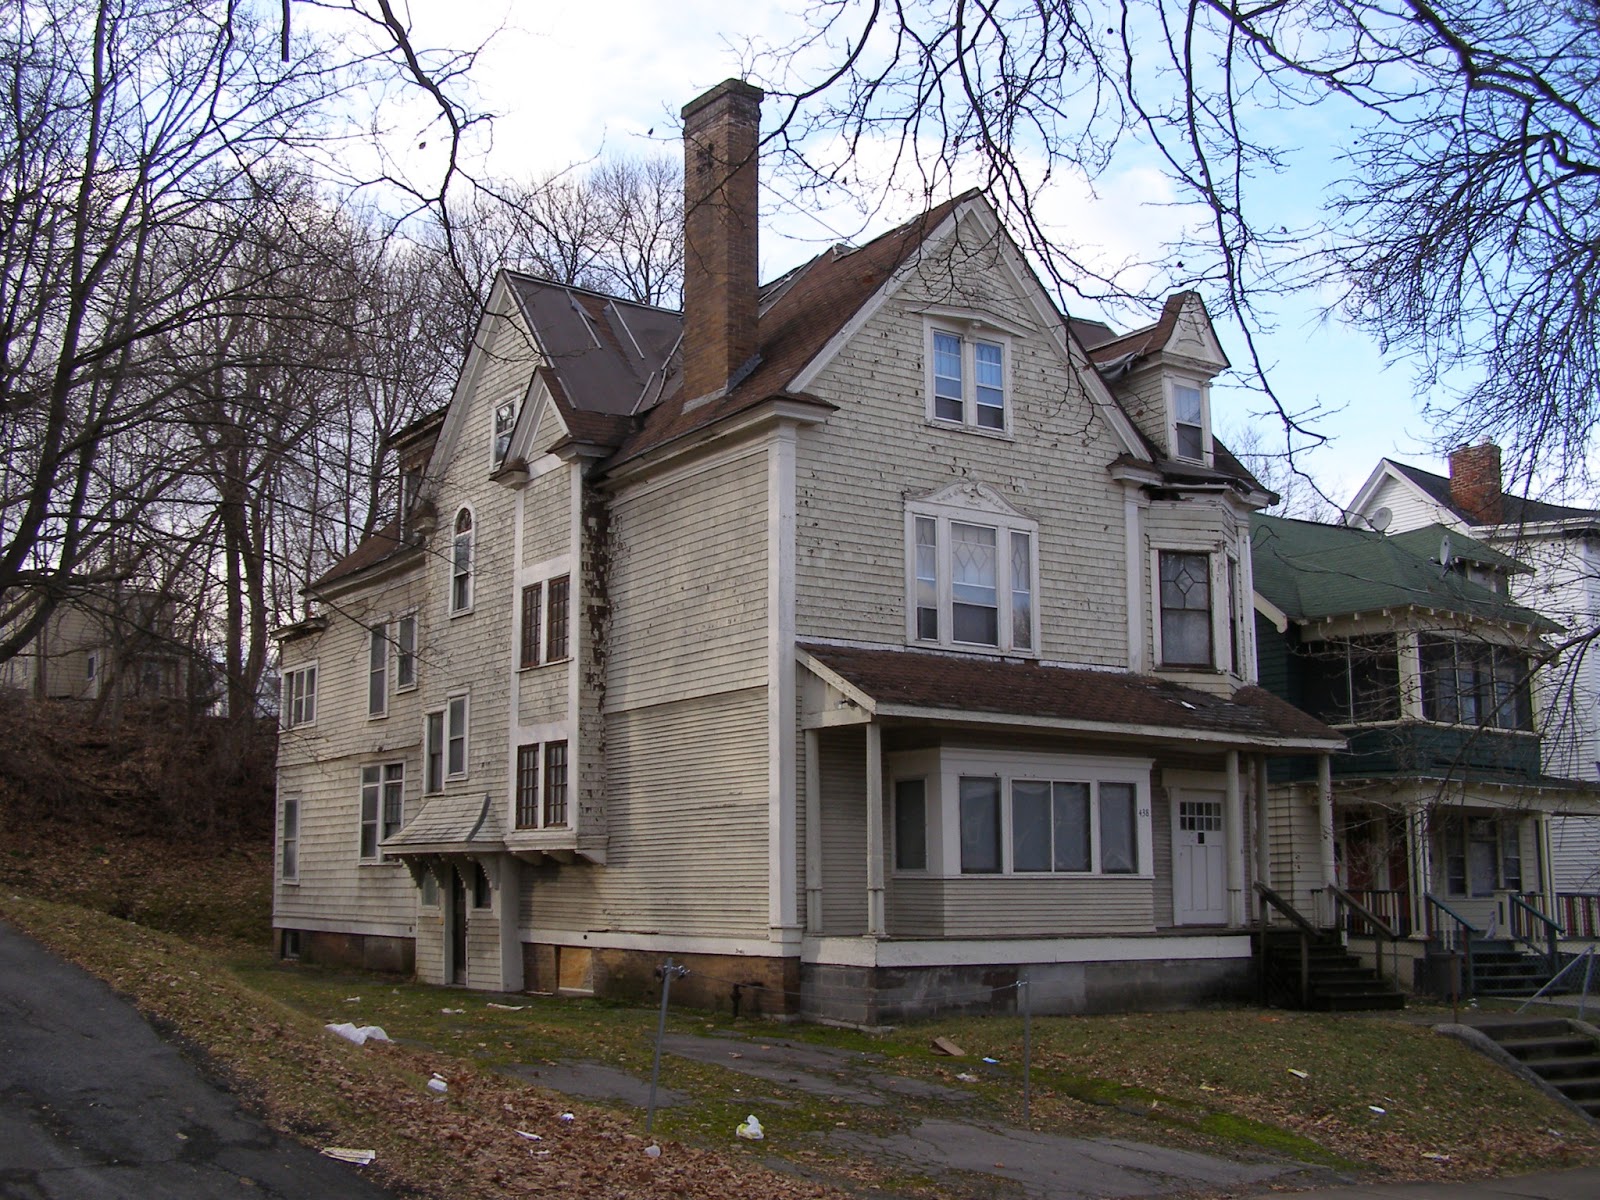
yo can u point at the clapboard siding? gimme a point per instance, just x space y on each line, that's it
688 570
1296 845
1575 853
1023 905
547 517
842 766
855 473
542 693
687 810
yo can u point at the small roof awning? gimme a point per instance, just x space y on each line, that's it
449 825
966 690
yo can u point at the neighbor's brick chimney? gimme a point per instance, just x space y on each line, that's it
721 284
1475 483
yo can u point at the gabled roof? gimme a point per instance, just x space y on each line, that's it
1313 571
1427 541
804 311
1516 510
1119 354
960 687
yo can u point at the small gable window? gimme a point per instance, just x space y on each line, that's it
505 420
461 564
1188 421
968 379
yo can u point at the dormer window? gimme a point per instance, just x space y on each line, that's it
505 420
1188 421
968 378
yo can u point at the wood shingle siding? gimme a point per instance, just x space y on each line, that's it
844 832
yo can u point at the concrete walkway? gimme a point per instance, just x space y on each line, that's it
95 1106
1583 1184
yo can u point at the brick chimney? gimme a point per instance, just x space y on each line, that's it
721 136
1475 483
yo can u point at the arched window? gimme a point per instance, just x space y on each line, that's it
461 564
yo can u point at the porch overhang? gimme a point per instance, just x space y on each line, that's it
448 826
961 691
1545 795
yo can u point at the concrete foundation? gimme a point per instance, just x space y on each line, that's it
367 951
746 985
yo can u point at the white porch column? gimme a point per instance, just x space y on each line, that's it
1421 867
1325 823
509 873
1234 824
1263 825
876 924
813 769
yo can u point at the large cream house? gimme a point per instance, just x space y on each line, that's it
863 641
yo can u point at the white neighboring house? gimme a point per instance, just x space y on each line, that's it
863 640
1561 545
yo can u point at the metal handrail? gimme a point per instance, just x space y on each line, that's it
1552 930
1307 932
1342 898
1465 931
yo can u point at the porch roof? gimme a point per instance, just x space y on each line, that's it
961 688
450 825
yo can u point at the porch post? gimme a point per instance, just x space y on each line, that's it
1325 820
876 926
813 770
1263 825
1234 824
1421 867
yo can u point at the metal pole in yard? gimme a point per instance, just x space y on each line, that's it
667 972
1588 974
1027 1051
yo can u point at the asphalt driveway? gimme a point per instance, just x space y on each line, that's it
95 1106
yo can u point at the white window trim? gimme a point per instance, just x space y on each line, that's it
378 856
943 769
380 630
1004 521
466 736
444 750
1170 384
969 330
1216 572
472 564
514 403
416 646
286 693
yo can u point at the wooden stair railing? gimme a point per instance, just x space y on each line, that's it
1345 903
1525 932
1464 931
1308 934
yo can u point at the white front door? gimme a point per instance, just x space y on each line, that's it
1199 859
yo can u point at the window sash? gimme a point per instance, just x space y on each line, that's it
979 800
555 783
300 686
531 596
394 798
528 786
988 378
433 752
505 419
911 825
949 391
289 839
1185 594
378 671
405 660
371 794
556 628
456 738
968 381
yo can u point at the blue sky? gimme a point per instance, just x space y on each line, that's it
569 82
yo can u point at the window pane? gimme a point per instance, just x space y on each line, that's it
369 812
1510 856
1186 609
1191 442
529 655
291 838
1439 701
527 786
555 638
1186 404
975 611
555 783
456 763
911 825
947 377
927 568
1071 804
989 379
394 796
980 826
378 670
1021 591
435 752
1030 826
1118 849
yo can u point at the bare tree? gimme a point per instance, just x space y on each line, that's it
1464 232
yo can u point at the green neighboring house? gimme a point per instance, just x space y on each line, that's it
1436 818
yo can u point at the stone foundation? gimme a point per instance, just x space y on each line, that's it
871 996
367 951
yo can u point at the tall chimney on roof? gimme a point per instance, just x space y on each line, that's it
1475 483
721 284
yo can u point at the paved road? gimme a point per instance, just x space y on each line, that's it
95 1106
1582 1184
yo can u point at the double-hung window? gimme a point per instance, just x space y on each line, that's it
552 812
382 805
973 578
967 379
299 704
433 752
543 620
1185 593
405 653
456 738
1188 421
289 841
461 563
378 670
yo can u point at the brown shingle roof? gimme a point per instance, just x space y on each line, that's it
811 307
952 683
375 548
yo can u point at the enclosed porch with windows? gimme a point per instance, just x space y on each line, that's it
970 823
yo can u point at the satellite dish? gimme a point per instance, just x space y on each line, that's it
1444 552
1380 519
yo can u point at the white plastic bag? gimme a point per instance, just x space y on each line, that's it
359 1034
750 1129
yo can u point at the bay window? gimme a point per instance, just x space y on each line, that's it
1474 683
1184 583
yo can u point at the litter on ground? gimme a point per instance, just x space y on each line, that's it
359 1034
946 1046
360 1158
750 1129
1297 1073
